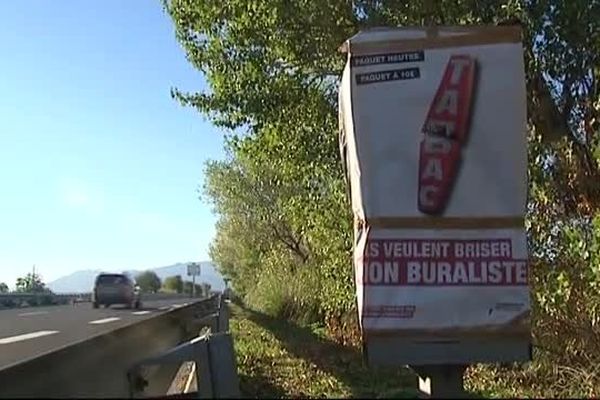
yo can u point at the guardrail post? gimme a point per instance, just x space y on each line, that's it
442 381
223 368
203 372
216 369
223 319
213 353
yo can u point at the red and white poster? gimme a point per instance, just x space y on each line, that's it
433 137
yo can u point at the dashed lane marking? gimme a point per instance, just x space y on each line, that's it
104 320
26 336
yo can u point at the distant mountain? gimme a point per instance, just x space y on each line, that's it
80 281
83 281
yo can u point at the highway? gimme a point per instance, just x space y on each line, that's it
29 332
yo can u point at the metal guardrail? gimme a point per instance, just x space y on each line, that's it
212 352
101 366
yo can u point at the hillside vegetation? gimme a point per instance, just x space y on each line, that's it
284 233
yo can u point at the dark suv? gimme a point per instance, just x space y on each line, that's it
115 289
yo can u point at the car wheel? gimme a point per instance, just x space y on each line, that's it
138 305
95 305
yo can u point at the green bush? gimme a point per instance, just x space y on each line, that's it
285 293
32 302
46 300
284 232
8 303
565 325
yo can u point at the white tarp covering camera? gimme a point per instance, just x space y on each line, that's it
433 138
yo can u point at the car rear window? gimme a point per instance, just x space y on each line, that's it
110 279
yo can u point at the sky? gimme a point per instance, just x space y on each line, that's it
99 167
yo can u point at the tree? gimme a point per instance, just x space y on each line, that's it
3 288
205 288
187 288
173 284
272 69
31 283
148 282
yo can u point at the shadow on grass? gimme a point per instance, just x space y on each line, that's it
260 387
343 362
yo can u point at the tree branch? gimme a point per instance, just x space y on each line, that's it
290 242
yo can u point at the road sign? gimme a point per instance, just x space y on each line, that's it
193 269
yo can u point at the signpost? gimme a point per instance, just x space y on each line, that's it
193 270
433 125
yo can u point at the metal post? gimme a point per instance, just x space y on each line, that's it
193 285
203 372
442 381
223 368
223 320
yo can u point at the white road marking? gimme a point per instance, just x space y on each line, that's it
141 312
105 320
177 305
164 308
28 314
26 336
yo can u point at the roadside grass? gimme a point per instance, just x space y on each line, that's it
278 359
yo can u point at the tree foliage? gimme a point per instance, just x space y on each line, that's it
148 282
173 284
201 289
284 232
3 288
31 283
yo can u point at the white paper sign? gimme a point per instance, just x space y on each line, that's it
433 136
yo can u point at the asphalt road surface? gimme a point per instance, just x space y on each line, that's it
29 332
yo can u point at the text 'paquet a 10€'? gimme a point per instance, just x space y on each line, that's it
433 134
